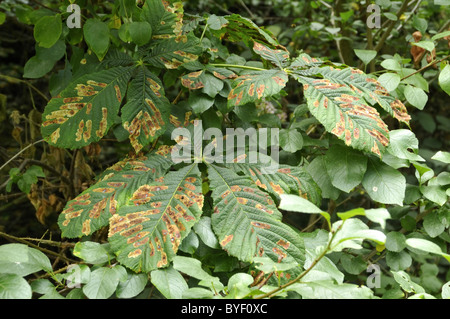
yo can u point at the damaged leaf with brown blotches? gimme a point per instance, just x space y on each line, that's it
93 208
247 221
147 231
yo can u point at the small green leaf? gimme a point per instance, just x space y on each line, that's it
420 24
383 183
298 204
401 142
434 193
291 140
14 287
391 64
204 231
389 80
444 79
352 233
169 282
132 287
96 34
200 102
323 289
238 285
427 45
216 22
197 293
267 265
193 268
426 246
44 60
366 55
417 97
318 171
390 16
345 166
405 282
42 286
22 260
446 290
48 30
102 284
442 156
140 32
443 178
433 225
378 215
353 265
92 252
395 241
398 261
440 35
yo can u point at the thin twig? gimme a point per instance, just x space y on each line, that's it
12 79
247 9
391 25
49 252
20 152
426 66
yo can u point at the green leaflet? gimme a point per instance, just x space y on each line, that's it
254 85
369 88
286 180
207 78
147 231
247 222
173 52
277 57
165 19
146 113
92 209
242 29
345 113
84 111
